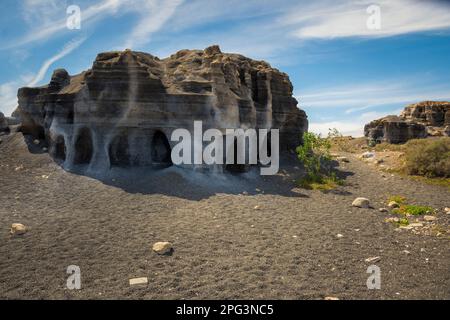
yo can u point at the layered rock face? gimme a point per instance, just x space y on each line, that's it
124 110
428 118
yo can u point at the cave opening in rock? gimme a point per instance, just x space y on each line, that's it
83 147
119 154
161 151
59 149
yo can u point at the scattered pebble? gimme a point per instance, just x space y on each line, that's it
392 219
18 229
383 210
343 159
138 281
339 235
361 202
368 154
162 247
331 298
406 252
415 225
373 259
393 204
256 207
36 141
429 218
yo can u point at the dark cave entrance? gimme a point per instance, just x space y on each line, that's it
119 151
83 147
161 151
59 149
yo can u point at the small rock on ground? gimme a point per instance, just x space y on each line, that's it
138 281
361 202
162 247
18 229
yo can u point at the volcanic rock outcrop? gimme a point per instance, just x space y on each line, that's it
427 118
3 123
123 110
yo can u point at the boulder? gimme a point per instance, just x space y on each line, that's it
123 110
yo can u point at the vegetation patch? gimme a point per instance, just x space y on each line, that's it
397 199
315 155
414 210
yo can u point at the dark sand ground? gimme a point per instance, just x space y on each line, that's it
224 247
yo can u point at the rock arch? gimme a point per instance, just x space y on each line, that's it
84 148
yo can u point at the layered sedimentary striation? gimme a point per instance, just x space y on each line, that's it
428 118
123 110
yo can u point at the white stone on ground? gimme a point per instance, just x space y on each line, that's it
361 202
162 247
138 281
18 229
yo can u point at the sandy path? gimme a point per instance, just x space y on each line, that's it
224 247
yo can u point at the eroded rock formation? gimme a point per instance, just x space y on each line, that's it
3 123
428 118
123 110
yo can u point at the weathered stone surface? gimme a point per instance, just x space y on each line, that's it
123 110
393 129
3 123
427 118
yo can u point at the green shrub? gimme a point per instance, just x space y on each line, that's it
315 155
409 209
428 157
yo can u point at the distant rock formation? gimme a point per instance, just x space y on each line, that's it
3 123
123 110
427 118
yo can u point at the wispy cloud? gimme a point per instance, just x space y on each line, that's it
353 126
154 14
68 48
355 98
335 19
8 90
53 22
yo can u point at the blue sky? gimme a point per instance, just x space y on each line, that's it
344 73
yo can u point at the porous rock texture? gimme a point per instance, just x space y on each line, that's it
123 110
427 118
